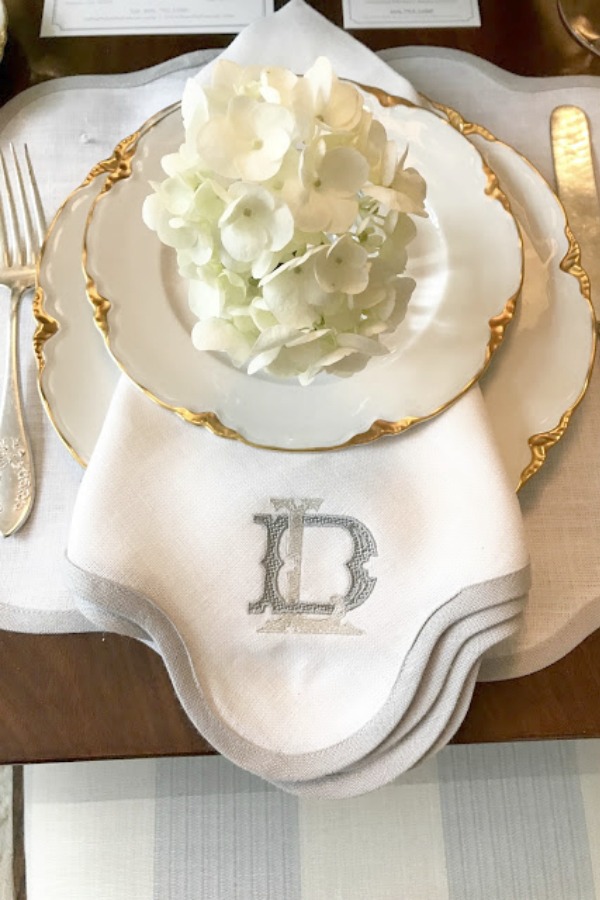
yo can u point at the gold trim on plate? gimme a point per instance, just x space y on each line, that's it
47 325
124 154
541 443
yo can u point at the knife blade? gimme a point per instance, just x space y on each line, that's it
577 189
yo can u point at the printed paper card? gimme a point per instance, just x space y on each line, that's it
68 18
411 13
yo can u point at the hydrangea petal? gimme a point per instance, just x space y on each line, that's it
343 170
362 344
221 335
262 360
345 267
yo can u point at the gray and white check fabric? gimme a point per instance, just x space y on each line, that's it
503 822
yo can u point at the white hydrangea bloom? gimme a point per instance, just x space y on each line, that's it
331 180
335 103
254 222
289 211
344 266
404 191
292 292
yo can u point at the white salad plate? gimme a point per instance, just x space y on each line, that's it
537 380
466 260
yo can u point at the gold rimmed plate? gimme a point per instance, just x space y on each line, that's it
539 377
76 375
547 363
466 260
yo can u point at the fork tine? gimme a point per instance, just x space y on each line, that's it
7 206
24 234
39 220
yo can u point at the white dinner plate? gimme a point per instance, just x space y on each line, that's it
466 261
531 391
547 360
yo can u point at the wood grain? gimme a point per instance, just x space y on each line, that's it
523 36
93 696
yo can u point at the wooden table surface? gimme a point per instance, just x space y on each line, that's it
99 696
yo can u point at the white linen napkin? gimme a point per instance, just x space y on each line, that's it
181 536
170 532
296 35
435 713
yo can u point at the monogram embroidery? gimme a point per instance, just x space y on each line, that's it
314 616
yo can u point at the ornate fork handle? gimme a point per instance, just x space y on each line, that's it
16 463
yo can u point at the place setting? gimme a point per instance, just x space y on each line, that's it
305 335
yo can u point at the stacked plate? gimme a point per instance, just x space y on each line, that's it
466 260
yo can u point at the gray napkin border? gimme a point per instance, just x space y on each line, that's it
114 602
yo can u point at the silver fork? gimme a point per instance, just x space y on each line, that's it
21 234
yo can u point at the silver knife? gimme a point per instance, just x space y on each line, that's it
577 190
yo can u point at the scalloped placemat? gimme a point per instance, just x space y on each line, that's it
561 505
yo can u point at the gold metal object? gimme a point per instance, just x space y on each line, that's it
576 183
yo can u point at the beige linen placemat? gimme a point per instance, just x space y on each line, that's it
560 504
